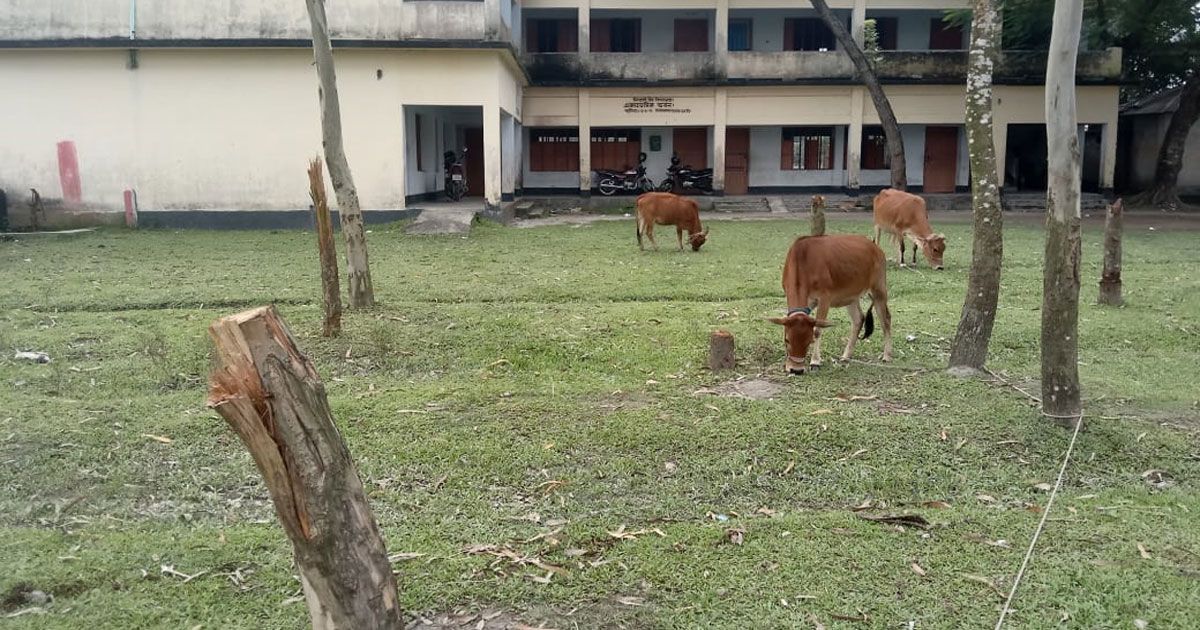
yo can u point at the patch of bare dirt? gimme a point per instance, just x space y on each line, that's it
751 389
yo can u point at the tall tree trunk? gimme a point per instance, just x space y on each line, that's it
271 396
866 73
1060 279
1164 192
327 251
970 347
362 294
1110 276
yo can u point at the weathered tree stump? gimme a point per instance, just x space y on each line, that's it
272 397
817 214
330 285
1110 278
721 351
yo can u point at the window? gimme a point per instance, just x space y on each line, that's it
552 36
875 155
807 34
554 150
886 32
615 149
691 35
419 124
616 35
741 34
943 36
807 149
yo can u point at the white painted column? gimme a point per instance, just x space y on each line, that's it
402 157
492 154
718 163
854 139
1108 157
510 159
858 15
721 35
585 28
492 21
585 141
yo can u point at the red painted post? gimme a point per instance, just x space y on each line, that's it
68 172
130 209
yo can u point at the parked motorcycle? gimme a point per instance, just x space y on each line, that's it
632 180
455 173
686 179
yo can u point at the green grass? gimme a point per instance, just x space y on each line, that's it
603 350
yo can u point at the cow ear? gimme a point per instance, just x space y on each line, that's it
821 323
782 321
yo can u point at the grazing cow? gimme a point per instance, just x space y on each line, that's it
664 208
827 271
903 214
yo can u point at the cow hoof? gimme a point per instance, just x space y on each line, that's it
795 371
887 358
813 367
939 268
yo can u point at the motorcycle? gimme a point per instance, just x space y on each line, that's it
455 173
684 179
629 180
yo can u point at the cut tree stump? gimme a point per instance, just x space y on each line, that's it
1110 278
272 397
818 215
330 285
721 351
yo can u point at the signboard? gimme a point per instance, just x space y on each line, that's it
655 104
652 109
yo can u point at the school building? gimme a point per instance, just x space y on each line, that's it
211 105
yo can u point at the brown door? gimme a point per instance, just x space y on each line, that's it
691 35
474 165
943 36
941 159
737 161
691 145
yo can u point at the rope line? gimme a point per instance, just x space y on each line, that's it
1012 593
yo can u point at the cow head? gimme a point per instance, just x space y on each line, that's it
799 331
698 239
933 246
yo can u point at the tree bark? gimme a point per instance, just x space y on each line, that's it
866 73
272 397
1060 278
332 324
1164 193
362 294
1110 278
969 350
818 215
721 354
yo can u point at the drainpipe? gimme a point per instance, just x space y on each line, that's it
133 56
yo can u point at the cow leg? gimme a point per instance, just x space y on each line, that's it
650 234
878 233
879 297
821 311
901 239
856 322
679 236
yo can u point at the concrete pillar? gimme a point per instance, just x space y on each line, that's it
721 35
492 155
493 23
1000 139
585 142
1108 157
854 140
402 157
718 163
510 159
858 15
519 162
585 27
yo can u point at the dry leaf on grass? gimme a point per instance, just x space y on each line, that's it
540 579
820 412
790 467
865 505
158 438
985 581
916 568
1142 551
548 487
404 555
941 505
631 600
986 498
1044 487
736 535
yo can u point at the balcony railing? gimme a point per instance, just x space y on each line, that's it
571 68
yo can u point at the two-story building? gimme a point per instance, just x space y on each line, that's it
212 105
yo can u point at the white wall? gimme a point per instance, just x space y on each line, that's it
765 145
913 27
1148 134
658 27
767 29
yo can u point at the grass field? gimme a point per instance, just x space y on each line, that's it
541 388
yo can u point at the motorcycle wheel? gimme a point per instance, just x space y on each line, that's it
647 185
608 187
458 190
666 186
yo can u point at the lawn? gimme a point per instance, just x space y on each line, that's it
544 390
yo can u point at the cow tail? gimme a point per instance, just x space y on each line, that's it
869 322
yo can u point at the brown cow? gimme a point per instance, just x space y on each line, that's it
903 214
664 208
826 271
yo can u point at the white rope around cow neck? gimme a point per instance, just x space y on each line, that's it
1012 593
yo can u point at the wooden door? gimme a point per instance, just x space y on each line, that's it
691 35
943 36
691 145
737 161
941 159
601 34
474 164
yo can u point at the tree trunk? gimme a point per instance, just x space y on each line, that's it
1110 278
1060 280
866 73
272 397
1164 193
332 325
721 354
362 294
818 215
970 347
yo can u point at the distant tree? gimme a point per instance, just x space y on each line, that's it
866 73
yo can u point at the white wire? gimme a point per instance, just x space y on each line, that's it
1045 514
